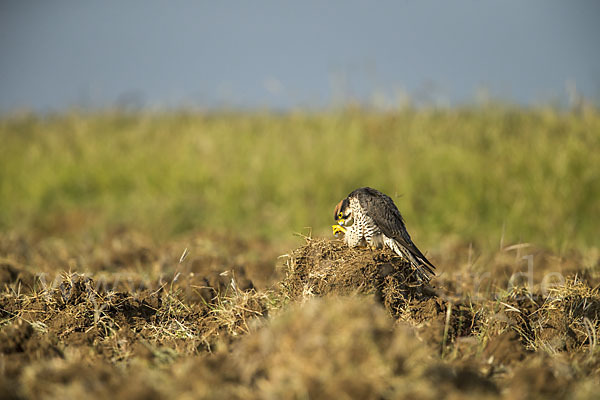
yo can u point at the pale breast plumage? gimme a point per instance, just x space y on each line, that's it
364 229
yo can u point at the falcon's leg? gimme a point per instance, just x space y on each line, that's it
376 241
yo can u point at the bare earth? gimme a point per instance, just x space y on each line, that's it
124 317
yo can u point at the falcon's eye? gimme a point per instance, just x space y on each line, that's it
340 215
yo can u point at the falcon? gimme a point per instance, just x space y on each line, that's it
368 217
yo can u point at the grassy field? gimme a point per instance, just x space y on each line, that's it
155 255
479 174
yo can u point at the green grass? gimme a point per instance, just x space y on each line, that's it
530 175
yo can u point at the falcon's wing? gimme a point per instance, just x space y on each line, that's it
385 214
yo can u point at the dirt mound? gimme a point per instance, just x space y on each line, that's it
21 344
75 378
345 347
324 268
329 267
81 312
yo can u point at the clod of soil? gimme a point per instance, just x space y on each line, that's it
10 274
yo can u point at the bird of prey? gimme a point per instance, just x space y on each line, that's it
369 217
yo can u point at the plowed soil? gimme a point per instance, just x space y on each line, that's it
208 316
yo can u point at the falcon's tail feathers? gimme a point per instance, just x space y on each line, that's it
423 267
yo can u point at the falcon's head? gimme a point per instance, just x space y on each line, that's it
343 216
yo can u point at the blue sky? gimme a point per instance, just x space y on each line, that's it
281 55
